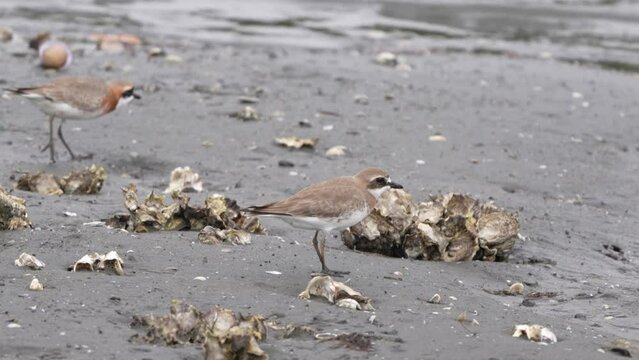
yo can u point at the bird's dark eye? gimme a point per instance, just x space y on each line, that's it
381 180
127 93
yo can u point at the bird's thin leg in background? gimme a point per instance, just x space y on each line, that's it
50 144
64 142
320 248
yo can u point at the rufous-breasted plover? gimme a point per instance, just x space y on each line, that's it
334 204
76 98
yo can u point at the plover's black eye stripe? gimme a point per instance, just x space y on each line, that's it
128 93
381 180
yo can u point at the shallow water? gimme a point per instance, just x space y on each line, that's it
603 32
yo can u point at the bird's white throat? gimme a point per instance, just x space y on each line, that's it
379 191
123 101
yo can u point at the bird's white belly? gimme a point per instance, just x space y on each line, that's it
326 224
64 110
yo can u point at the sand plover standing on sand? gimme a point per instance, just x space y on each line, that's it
75 98
334 204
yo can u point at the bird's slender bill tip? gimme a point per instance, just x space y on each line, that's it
137 96
394 185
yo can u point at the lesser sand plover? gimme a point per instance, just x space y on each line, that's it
334 204
76 98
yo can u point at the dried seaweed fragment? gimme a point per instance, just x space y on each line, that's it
99 262
453 227
336 293
13 212
153 214
87 181
225 335
295 142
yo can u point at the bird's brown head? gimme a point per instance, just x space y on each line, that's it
120 93
377 181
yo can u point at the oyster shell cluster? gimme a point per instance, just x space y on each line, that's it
451 227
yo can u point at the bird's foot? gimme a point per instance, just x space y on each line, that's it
333 273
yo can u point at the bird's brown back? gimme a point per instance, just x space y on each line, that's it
325 200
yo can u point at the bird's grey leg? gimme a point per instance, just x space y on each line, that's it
50 144
64 142
320 248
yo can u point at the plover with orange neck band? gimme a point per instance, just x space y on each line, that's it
334 204
76 98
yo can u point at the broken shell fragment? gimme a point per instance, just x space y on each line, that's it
336 293
183 179
13 212
42 183
99 262
336 151
294 142
35 285
516 288
29 261
535 332
5 34
386 58
212 235
436 299
249 113
437 138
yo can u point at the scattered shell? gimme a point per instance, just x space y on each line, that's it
361 99
13 212
174 59
386 58
535 332
336 151
225 335
248 100
70 214
437 138
199 278
14 325
100 262
35 285
273 272
6 34
115 43
436 299
336 292
183 179
156 52
516 288
29 261
249 113
294 142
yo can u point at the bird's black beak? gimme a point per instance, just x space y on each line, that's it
136 96
394 185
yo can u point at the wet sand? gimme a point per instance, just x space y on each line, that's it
554 141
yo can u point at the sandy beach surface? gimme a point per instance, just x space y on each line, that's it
538 117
